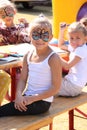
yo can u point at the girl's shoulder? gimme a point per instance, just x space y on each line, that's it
53 57
81 51
82 48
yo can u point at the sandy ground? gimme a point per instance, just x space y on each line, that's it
60 122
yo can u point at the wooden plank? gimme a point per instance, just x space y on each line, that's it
12 64
24 122
63 104
59 106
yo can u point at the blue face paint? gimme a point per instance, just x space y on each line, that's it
40 34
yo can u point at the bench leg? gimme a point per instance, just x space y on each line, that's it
13 83
85 115
71 119
51 126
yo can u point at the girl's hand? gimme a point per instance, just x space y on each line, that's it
28 100
63 26
20 103
22 20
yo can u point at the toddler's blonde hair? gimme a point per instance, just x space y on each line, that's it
77 27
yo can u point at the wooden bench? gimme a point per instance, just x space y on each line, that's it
59 106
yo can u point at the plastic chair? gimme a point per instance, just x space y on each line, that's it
5 81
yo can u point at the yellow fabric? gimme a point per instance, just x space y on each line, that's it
5 81
65 11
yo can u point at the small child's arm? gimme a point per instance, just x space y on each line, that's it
61 40
68 64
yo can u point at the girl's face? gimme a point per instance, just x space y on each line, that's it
7 15
40 37
77 39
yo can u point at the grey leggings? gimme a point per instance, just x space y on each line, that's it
33 109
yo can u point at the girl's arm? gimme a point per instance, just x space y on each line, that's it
23 77
23 34
24 22
61 40
19 99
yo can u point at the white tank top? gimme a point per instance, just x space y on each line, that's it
39 79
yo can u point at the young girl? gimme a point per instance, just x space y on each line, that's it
75 80
11 33
42 76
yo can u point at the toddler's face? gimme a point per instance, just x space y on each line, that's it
77 39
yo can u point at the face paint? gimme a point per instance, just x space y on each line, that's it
7 11
40 34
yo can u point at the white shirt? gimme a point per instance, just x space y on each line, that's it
78 73
39 77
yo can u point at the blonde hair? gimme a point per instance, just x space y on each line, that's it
5 3
41 21
77 27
